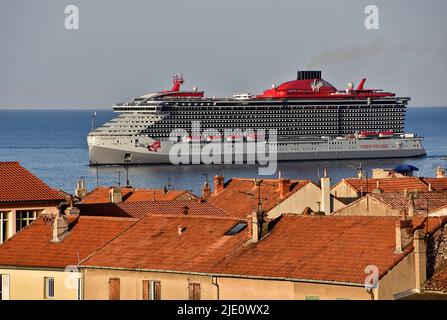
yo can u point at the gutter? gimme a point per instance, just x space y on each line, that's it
343 283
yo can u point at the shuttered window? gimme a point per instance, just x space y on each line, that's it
48 288
194 291
4 286
151 290
114 289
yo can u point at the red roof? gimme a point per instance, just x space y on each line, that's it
239 197
437 184
32 246
325 248
101 195
386 184
142 208
19 185
425 200
155 243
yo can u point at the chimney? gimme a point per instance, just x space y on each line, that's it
325 183
218 184
72 211
258 226
430 187
206 190
60 228
404 234
284 187
81 190
115 195
180 229
405 193
377 189
440 172
420 258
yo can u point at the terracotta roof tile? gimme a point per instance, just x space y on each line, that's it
326 248
240 194
397 201
438 282
437 184
155 243
101 195
32 246
387 184
18 184
142 208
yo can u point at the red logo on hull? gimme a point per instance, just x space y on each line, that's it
155 146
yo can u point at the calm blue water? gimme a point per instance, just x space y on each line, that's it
52 145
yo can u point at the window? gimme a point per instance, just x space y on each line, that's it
48 288
236 229
3 226
114 289
194 291
24 218
151 290
4 286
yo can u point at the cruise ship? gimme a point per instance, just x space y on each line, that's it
310 118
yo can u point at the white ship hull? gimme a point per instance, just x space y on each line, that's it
112 150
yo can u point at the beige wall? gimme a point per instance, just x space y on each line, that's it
399 279
175 286
344 192
308 196
28 284
367 207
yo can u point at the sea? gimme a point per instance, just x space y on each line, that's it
52 145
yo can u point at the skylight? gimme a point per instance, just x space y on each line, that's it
236 228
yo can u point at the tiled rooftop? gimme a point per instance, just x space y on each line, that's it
101 195
19 185
387 184
155 243
424 200
32 246
239 197
437 184
142 208
326 248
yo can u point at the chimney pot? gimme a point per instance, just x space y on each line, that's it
115 195
218 184
284 187
440 172
325 183
206 190
404 234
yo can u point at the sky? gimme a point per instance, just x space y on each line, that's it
124 49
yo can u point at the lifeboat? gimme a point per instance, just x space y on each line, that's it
189 139
386 134
367 134
213 138
234 138
252 137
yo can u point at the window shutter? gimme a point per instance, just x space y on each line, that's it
114 289
146 284
157 290
194 291
5 287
